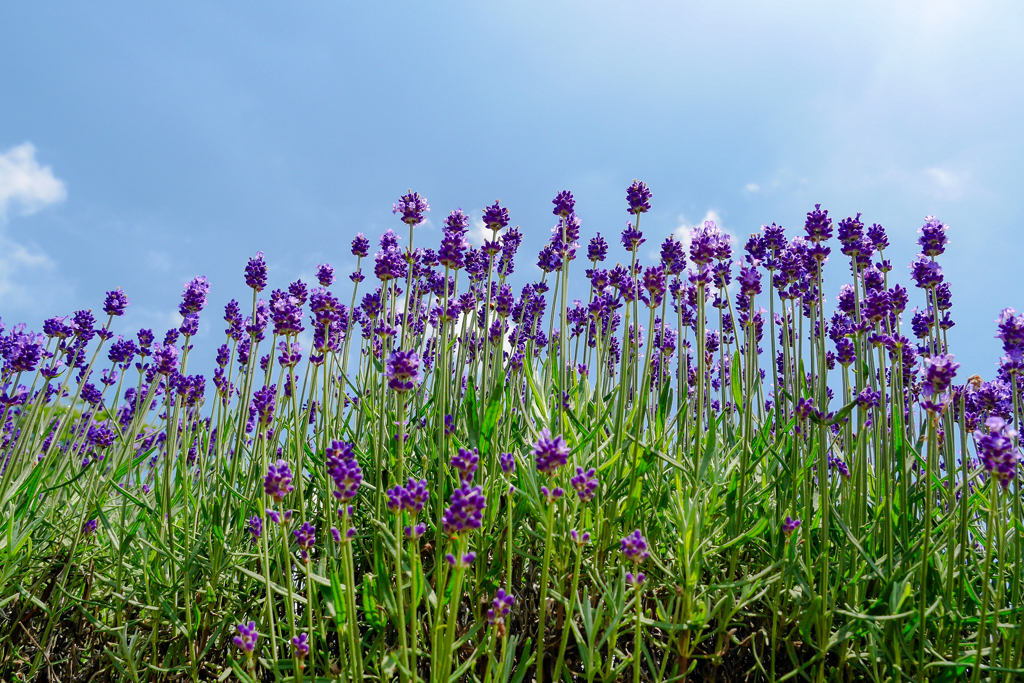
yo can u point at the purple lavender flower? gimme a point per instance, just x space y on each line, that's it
193 299
343 469
325 274
264 402
818 226
585 483
634 547
278 482
1011 332
466 511
996 450
246 638
412 207
462 562
673 256
306 538
116 302
256 272
389 264
89 528
495 217
501 606
876 233
550 453
638 196
938 372
403 370
255 527
579 539
933 238
654 283
564 203
465 463
597 250
750 281
507 461
300 643
165 359
790 525
632 238
925 273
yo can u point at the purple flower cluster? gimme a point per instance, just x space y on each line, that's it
790 525
412 207
634 549
465 463
550 453
403 370
465 512
996 450
638 196
343 469
278 482
585 483
305 536
246 638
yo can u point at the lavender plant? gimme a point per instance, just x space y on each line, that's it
840 502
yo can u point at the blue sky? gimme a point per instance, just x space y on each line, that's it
141 146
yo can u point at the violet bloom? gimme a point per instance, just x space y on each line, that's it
507 461
818 226
634 549
638 196
256 272
632 238
360 246
938 372
495 216
790 525
255 527
501 607
343 469
306 538
750 281
654 283
246 638
580 539
116 302
925 273
89 528
996 451
412 207
673 256
403 370
193 299
933 238
264 402
1011 332
564 203
466 511
585 483
550 453
278 482
462 562
597 250
165 359
325 274
300 643
465 463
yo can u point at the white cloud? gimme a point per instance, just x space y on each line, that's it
751 188
947 183
23 182
24 272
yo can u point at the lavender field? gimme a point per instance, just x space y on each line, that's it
751 461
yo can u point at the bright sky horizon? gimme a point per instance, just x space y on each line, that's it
141 145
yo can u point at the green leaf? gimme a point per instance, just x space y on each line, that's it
734 377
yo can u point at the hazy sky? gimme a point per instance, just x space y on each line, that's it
141 146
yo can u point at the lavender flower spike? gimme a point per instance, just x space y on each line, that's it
550 453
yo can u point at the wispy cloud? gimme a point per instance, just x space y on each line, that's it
25 184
